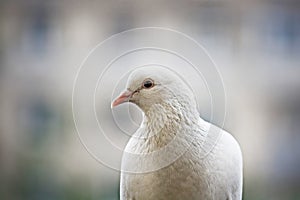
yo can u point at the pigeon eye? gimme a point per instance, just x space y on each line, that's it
148 84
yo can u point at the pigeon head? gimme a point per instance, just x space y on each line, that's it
151 86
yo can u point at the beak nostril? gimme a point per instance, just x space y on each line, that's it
124 97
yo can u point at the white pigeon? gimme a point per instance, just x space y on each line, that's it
189 157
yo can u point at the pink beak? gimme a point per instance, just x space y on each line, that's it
124 97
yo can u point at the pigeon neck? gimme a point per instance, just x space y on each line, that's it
171 114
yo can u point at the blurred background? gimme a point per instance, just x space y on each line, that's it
256 45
